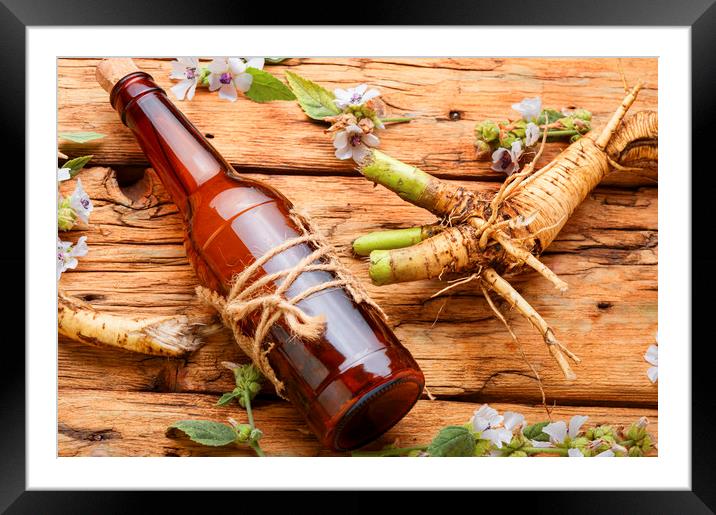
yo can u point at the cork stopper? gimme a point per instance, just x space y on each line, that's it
110 71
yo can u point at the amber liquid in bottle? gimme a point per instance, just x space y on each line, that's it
357 380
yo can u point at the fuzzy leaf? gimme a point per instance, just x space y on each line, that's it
80 137
316 101
226 398
206 432
76 164
265 87
534 432
453 441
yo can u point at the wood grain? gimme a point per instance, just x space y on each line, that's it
118 403
447 97
607 253
98 423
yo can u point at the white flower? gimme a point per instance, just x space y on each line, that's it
494 427
63 174
504 160
485 417
531 134
354 96
529 108
575 453
558 431
81 203
353 142
651 357
228 75
67 254
185 68
499 435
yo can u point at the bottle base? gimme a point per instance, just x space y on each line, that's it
376 412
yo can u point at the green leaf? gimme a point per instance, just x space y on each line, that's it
274 60
76 164
265 87
534 432
316 101
453 441
80 137
206 432
226 398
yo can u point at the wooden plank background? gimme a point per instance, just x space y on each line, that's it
118 403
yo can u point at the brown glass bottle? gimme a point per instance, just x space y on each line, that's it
357 380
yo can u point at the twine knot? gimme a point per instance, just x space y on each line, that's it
264 298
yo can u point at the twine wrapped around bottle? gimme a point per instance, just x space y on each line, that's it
246 298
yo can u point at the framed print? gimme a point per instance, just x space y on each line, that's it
421 241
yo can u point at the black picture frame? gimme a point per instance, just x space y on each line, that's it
699 15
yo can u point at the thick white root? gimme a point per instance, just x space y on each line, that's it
160 336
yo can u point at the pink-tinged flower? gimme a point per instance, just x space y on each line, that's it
352 142
185 69
531 134
67 254
81 203
507 160
229 74
529 108
354 96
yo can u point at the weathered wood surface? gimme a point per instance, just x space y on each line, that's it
285 432
276 137
607 253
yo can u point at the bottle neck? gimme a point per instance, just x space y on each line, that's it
178 152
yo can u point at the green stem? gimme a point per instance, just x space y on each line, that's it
257 449
249 413
549 450
389 452
396 120
407 181
388 240
558 134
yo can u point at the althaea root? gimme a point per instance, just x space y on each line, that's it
491 236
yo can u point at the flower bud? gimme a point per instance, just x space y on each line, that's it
582 114
256 435
508 140
487 131
483 149
243 432
635 452
66 216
